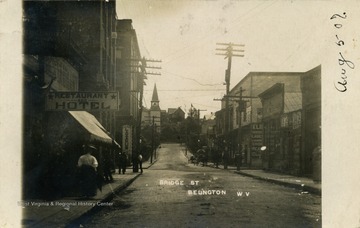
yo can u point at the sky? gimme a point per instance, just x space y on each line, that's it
278 36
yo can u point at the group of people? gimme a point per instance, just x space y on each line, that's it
88 165
217 157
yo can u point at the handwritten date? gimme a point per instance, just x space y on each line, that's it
344 63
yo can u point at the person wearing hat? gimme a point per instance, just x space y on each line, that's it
140 158
88 164
122 162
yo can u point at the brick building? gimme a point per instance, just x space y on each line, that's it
74 46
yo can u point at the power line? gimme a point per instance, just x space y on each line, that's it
210 34
229 53
192 79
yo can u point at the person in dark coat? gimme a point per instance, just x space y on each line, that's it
122 162
217 157
226 158
88 177
107 168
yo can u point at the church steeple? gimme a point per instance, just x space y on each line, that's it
155 95
155 100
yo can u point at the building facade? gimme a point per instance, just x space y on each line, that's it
281 111
245 123
282 129
74 46
292 126
175 115
311 122
129 83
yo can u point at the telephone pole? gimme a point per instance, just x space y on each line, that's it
241 108
199 132
144 74
228 51
142 64
152 139
153 149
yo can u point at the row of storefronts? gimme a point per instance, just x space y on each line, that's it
279 111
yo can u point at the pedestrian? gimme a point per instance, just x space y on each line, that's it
122 162
140 158
88 165
226 158
217 158
107 168
238 161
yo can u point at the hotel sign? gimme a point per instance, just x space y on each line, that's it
82 101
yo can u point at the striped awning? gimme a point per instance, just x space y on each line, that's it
92 125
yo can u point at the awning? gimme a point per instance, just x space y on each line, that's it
92 125
116 144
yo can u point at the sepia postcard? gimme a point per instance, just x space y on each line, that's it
188 113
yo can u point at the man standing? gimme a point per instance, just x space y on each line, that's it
238 158
107 167
140 162
122 162
226 158
88 164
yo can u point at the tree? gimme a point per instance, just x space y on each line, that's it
170 132
190 131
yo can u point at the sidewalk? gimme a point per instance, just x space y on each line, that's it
304 184
60 212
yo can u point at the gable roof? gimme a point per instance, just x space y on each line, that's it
292 102
171 110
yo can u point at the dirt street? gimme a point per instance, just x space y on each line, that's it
175 193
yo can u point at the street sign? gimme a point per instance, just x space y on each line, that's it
82 101
127 139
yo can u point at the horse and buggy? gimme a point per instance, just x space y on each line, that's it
200 157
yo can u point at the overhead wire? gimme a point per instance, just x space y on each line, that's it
196 43
192 79
210 34
311 33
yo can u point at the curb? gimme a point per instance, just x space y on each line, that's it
286 184
77 221
150 164
304 188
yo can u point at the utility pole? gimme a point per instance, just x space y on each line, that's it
143 72
229 51
152 139
199 132
143 75
242 107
